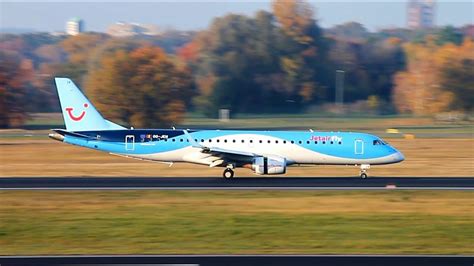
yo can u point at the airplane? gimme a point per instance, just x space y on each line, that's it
264 152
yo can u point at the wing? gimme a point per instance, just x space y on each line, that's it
220 156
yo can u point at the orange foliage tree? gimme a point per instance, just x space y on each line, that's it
425 87
188 52
15 73
142 88
79 47
295 17
457 75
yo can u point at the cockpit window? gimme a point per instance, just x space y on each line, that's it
378 142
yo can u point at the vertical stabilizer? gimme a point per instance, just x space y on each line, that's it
78 113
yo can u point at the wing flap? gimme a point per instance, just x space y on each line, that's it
216 150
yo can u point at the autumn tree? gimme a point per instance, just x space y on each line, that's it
437 78
15 72
27 45
303 55
295 18
459 80
142 88
236 56
417 89
79 49
457 76
272 62
188 52
51 53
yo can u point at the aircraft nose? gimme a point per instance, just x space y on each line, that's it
398 157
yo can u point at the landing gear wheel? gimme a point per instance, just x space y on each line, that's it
363 170
228 173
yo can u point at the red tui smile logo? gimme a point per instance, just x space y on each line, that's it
76 118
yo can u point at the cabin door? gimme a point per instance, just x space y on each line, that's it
129 142
359 146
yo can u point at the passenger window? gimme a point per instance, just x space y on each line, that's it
284 142
332 142
251 141
276 141
315 142
307 142
180 140
260 141
340 143
299 142
233 141
243 141
324 142
225 141
292 142
210 140
217 140
268 141
202 140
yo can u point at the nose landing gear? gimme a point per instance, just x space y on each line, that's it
363 170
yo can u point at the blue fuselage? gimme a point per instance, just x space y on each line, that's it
298 147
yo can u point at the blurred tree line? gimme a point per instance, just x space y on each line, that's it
30 62
266 63
438 78
272 62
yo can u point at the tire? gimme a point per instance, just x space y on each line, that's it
228 173
363 175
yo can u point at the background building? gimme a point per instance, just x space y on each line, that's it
421 14
124 29
74 26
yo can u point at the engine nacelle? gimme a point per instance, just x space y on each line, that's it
270 165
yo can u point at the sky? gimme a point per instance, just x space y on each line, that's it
196 15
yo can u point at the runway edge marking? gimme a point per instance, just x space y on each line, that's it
237 188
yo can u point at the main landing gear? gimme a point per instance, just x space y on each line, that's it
363 170
228 172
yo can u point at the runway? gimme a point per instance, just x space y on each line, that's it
260 183
231 260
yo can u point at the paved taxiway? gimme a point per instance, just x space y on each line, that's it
260 183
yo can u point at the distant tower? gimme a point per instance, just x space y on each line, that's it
74 26
421 14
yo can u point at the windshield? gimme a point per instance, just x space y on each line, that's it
379 142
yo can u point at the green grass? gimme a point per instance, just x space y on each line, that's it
244 222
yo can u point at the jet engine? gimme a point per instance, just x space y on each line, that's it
269 165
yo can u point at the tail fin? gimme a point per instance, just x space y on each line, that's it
78 113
